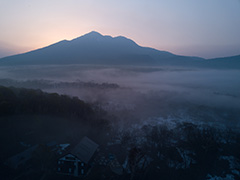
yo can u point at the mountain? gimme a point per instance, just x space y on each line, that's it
94 48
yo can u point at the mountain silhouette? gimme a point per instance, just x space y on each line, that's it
94 48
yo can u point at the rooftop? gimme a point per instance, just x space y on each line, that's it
85 149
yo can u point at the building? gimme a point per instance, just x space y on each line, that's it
21 158
78 161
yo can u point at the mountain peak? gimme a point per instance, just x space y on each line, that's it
90 36
93 34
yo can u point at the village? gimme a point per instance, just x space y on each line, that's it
83 160
144 152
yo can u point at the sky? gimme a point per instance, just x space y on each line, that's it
204 28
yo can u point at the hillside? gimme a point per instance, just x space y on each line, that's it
20 101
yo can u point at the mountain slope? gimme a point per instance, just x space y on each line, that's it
232 62
94 48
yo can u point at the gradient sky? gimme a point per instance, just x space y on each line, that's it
205 28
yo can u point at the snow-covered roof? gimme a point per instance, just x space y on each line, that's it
85 149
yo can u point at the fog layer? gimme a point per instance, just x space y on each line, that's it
139 93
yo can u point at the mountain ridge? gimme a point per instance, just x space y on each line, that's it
95 48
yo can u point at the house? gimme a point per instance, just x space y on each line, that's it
21 158
78 161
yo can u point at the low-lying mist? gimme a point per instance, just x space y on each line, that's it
135 94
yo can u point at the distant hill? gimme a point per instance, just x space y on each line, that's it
94 48
232 62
